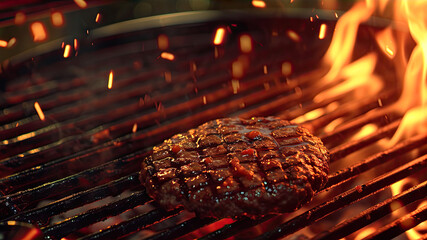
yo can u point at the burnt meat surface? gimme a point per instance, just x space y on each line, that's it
232 167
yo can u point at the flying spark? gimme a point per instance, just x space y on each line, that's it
76 44
39 111
81 3
39 32
97 17
245 43
3 43
134 127
167 56
258 3
322 32
67 50
20 18
11 42
219 36
57 19
110 80
293 35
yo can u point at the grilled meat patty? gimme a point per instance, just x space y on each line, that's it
232 167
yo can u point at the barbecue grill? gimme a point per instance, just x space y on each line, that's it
69 167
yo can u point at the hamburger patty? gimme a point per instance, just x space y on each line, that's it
232 167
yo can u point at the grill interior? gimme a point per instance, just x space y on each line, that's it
69 174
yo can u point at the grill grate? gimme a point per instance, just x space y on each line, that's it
88 149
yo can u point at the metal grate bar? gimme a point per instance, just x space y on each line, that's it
334 180
375 160
350 147
40 216
182 228
132 225
346 198
86 179
374 213
70 225
401 225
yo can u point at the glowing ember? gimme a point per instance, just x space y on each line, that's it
235 85
386 42
322 32
286 69
219 36
39 32
3 43
11 42
365 232
98 16
57 19
163 42
245 43
67 51
20 18
258 3
237 69
81 3
110 80
39 111
293 36
167 56
168 77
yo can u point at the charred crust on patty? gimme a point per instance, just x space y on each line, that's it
232 167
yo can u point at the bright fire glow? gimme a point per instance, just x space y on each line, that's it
57 19
110 80
81 3
39 32
3 43
258 3
322 31
245 43
67 51
219 36
167 56
358 77
39 111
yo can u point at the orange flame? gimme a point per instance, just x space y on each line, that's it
39 32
